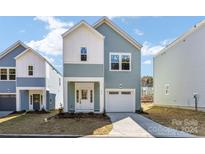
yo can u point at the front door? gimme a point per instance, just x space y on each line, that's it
36 101
84 98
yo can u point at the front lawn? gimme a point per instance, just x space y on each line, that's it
34 123
182 119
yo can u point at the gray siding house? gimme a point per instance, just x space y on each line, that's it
28 81
179 72
101 69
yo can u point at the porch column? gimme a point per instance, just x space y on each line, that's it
44 100
18 101
102 106
65 95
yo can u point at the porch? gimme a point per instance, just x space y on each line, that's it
32 99
84 95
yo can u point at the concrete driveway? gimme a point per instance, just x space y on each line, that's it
135 125
5 113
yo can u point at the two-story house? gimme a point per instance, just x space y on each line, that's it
101 69
179 72
28 81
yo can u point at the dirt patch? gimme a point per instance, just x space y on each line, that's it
181 119
34 123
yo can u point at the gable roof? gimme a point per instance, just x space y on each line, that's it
36 53
118 30
80 24
13 46
182 37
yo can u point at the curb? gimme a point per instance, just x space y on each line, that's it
38 136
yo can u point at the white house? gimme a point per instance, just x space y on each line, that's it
179 71
28 81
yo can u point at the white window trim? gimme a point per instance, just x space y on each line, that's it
165 88
30 70
84 54
120 61
7 68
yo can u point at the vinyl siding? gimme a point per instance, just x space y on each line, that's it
83 70
9 59
116 43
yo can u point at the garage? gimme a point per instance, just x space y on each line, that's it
122 100
7 102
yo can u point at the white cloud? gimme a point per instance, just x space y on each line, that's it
52 22
138 32
150 49
50 59
51 44
147 62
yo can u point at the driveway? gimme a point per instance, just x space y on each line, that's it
135 125
5 113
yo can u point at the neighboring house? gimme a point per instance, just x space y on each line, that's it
28 81
179 70
147 91
101 69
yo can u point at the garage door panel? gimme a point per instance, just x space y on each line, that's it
7 102
120 101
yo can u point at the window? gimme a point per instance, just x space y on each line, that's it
115 62
113 92
84 94
83 53
3 74
166 89
125 92
120 62
30 70
91 96
125 62
12 74
77 96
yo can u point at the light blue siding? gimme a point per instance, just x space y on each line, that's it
24 99
71 97
96 97
30 82
83 70
116 43
50 100
7 86
8 60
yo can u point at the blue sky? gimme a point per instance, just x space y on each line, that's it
44 33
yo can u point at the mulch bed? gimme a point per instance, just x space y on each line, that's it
81 115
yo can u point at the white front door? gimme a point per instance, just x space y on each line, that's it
84 97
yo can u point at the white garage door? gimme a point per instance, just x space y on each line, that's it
120 100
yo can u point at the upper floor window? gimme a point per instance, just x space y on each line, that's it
120 61
83 53
125 62
115 62
12 74
7 74
3 73
30 70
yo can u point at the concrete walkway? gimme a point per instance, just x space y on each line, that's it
135 125
5 113
125 126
